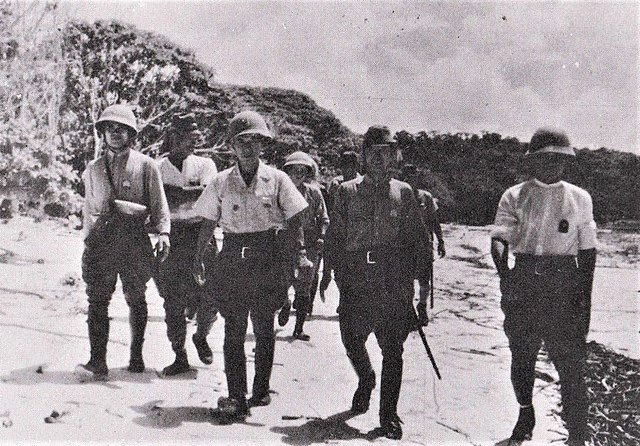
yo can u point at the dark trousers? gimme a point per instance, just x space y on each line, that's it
540 303
248 279
178 288
130 256
375 298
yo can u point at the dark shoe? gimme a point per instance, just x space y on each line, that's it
136 365
302 336
204 351
362 397
91 372
179 366
523 430
231 410
285 312
257 400
390 428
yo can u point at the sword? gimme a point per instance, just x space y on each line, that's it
425 343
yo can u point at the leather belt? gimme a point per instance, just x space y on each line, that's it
545 264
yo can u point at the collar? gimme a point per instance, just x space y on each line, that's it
370 187
539 183
112 156
260 173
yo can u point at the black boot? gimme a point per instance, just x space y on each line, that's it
523 429
390 427
204 351
180 365
138 324
298 333
98 323
285 312
362 396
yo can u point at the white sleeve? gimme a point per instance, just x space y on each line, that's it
587 229
290 200
506 222
209 204
208 171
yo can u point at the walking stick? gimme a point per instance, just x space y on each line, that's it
425 343
431 285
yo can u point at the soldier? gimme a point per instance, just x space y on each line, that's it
252 203
184 176
122 189
349 166
548 225
300 168
429 209
380 229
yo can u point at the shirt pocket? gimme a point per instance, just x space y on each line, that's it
267 205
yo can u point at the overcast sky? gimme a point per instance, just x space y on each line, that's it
451 67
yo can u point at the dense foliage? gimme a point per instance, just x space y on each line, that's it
69 73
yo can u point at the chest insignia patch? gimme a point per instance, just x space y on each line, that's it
563 227
126 183
236 207
394 213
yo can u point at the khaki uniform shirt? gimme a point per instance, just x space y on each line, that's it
369 216
315 219
196 171
267 203
136 178
545 219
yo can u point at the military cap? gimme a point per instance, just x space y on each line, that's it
549 140
377 134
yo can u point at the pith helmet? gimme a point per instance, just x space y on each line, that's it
300 158
377 134
117 113
248 122
549 140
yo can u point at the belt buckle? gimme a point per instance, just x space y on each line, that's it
242 256
369 261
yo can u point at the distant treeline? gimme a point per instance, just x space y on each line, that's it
68 74
469 173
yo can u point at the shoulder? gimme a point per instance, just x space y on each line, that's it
350 185
518 189
400 186
143 159
577 192
223 176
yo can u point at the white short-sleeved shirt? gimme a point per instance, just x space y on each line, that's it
545 219
196 171
265 204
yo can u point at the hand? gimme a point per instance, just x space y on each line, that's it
303 262
320 245
441 251
162 247
197 271
423 318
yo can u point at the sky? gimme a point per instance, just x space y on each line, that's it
507 67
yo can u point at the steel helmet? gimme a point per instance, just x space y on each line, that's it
300 158
248 122
550 140
117 113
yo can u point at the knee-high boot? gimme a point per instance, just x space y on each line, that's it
138 324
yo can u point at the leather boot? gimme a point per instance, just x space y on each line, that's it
297 331
98 323
138 325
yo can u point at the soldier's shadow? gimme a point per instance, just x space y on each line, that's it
323 430
156 416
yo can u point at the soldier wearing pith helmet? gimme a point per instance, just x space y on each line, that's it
252 203
548 224
122 188
382 238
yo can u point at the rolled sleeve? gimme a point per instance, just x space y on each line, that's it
290 199
506 222
587 230
160 216
208 172
209 204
